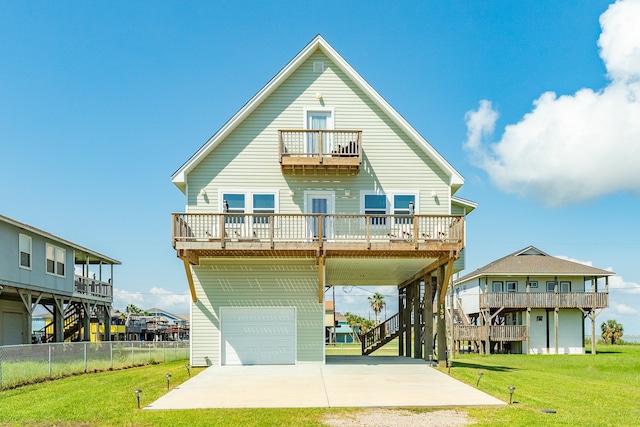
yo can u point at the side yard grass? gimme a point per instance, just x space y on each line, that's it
597 390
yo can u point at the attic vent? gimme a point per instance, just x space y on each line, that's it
318 67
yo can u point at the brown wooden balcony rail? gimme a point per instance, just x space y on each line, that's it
544 299
93 287
320 143
496 333
508 332
304 228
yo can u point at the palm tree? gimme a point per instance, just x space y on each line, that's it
353 322
611 331
377 304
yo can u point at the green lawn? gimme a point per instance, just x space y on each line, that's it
600 390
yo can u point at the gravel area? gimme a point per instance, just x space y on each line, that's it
399 418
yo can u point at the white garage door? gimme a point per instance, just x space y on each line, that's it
258 336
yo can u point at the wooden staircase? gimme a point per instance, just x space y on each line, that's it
72 324
380 335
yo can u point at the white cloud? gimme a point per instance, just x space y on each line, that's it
557 152
622 309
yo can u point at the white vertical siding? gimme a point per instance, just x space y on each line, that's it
281 283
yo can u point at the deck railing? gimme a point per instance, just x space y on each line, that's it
496 333
274 228
93 287
320 143
544 299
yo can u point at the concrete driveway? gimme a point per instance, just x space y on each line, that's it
344 381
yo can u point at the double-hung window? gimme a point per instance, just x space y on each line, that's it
376 206
263 204
25 251
512 286
551 286
404 204
233 203
55 260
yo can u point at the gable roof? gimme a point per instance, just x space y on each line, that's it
531 261
318 43
92 256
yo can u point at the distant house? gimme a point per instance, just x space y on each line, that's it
41 271
157 325
344 333
317 181
529 302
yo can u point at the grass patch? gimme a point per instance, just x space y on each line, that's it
598 390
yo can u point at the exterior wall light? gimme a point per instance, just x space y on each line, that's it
292 193
319 96
203 192
347 192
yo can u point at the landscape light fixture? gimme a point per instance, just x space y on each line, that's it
449 367
188 369
168 380
480 374
511 390
137 392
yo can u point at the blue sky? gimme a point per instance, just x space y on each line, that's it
100 102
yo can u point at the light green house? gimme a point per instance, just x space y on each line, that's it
317 181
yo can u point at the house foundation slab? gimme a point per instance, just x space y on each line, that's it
344 381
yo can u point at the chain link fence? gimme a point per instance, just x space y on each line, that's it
23 364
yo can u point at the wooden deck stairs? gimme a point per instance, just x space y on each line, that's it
382 334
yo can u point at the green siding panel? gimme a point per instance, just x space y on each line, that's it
256 284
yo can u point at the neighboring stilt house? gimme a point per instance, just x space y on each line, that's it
41 271
529 302
317 181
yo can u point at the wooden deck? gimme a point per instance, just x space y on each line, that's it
324 152
212 235
522 300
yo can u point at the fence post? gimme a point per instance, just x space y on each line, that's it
85 357
164 351
49 359
111 353
1 368
133 358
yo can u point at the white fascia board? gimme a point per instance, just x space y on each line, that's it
468 205
179 177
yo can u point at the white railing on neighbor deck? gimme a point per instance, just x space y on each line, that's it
22 364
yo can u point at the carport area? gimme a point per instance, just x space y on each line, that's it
344 381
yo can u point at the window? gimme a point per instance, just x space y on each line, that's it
565 287
551 286
233 204
25 251
376 204
533 284
496 286
55 260
404 204
512 286
263 204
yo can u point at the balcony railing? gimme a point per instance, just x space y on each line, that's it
313 231
544 299
93 287
496 333
302 151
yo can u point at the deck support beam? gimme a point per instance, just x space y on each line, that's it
427 315
320 279
189 273
417 324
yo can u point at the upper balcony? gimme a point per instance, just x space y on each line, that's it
312 152
204 234
93 287
522 300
